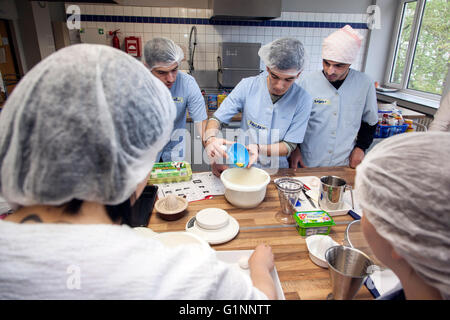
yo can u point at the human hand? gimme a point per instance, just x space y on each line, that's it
217 169
261 263
262 258
253 153
214 148
296 159
356 157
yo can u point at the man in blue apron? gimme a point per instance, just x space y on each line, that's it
163 58
275 110
344 114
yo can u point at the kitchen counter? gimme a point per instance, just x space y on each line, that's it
300 277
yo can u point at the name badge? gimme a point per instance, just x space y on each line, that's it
255 125
177 99
322 101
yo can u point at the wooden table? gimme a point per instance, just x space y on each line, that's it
299 276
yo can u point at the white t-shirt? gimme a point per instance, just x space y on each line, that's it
70 261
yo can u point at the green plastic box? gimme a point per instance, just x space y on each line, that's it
168 172
313 222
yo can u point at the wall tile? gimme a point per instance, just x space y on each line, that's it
201 29
192 13
139 27
165 12
156 12
174 12
310 28
89 9
157 28
183 12
129 27
127 11
138 11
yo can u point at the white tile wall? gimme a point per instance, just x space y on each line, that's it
208 37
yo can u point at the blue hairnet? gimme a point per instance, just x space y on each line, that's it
85 123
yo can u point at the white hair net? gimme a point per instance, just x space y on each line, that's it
285 55
85 123
162 52
403 186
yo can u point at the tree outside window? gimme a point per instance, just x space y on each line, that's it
421 57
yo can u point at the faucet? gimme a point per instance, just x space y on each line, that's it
192 48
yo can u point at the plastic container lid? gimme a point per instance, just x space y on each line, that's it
212 218
317 218
225 231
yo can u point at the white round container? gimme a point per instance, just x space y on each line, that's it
178 238
245 188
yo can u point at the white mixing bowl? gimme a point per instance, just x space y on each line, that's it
245 188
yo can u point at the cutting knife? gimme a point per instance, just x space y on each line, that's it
308 197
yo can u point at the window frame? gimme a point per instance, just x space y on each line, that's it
410 53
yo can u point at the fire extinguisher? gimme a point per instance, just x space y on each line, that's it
115 40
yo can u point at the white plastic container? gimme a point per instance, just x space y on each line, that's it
245 188
178 238
317 246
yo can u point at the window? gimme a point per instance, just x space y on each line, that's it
420 56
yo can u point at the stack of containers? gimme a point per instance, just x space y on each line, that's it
390 121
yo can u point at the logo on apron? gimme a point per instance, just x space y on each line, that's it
321 101
255 125
177 99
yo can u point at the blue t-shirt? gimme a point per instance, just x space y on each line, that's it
187 97
264 122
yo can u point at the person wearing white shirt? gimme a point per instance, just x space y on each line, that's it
78 139
344 114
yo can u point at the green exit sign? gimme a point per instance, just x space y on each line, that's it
100 31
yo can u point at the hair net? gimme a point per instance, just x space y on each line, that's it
162 52
403 186
342 45
285 55
85 123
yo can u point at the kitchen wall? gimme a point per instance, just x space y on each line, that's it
327 6
379 44
175 23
